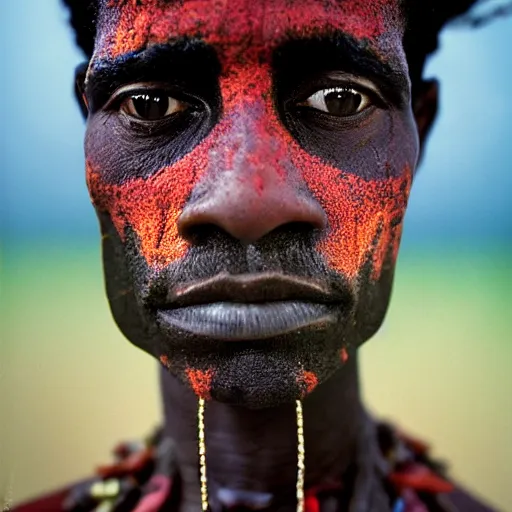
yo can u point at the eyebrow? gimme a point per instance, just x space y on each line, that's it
183 61
193 63
341 52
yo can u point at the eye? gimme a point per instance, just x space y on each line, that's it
151 106
339 101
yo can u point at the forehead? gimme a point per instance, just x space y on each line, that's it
127 26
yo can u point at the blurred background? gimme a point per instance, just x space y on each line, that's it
71 386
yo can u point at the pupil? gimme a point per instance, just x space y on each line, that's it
151 107
342 103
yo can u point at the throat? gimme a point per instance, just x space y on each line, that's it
252 455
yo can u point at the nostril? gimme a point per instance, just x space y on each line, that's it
295 230
244 216
199 234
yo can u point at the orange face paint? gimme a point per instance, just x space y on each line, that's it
134 25
200 382
308 381
363 189
151 207
365 216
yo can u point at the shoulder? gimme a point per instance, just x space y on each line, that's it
51 502
456 501
112 495
142 476
140 480
423 482
460 500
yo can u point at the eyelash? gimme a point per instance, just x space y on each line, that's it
119 98
195 105
116 102
332 85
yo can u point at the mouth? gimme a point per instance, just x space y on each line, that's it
248 307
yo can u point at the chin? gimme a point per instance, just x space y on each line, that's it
258 373
255 366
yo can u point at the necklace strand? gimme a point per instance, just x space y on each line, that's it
301 467
202 456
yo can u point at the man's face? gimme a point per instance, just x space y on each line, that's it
250 162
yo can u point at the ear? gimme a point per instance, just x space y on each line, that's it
425 107
80 74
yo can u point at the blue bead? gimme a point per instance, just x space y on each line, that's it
399 505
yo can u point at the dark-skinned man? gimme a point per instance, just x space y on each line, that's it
250 164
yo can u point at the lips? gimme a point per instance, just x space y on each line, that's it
248 307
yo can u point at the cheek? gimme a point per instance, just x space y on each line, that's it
365 216
151 208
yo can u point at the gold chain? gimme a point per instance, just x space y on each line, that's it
202 456
301 467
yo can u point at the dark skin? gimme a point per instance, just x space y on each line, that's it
256 450
251 179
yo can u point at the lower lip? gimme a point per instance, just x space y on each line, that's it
231 321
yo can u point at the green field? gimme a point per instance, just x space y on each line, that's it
71 386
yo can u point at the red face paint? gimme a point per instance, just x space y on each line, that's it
150 207
364 215
221 23
200 382
307 381
165 361
251 146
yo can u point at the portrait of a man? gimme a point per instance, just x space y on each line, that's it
250 164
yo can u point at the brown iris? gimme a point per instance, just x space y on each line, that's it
343 103
339 101
151 106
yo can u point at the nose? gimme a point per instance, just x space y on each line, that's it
250 207
252 186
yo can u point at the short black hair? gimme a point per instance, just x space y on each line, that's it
425 20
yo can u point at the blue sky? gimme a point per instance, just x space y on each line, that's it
462 192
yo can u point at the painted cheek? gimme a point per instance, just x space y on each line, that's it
224 23
151 207
365 216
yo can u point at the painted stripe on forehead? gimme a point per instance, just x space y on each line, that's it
128 25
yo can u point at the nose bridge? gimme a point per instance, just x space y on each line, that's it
251 186
255 153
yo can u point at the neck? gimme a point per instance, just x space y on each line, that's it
255 451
